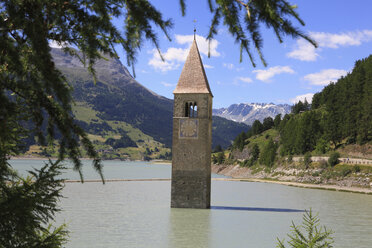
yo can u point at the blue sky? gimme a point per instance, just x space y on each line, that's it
342 28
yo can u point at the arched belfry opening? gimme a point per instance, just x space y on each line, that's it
191 110
192 136
195 110
187 109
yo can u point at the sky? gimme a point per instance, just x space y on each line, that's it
295 70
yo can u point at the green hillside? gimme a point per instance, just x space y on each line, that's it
339 119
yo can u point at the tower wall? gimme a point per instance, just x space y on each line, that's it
191 154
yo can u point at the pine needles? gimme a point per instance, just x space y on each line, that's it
308 235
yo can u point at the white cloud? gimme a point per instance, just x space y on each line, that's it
228 66
163 66
208 66
266 75
167 84
245 79
306 52
175 56
308 97
334 41
172 59
202 44
324 77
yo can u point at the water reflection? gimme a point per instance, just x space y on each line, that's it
189 228
287 210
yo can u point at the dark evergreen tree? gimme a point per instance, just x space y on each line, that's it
317 101
28 205
220 158
255 152
257 127
300 107
307 106
268 123
239 141
277 120
268 154
287 136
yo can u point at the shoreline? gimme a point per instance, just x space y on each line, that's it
38 158
237 174
303 185
254 180
243 174
85 159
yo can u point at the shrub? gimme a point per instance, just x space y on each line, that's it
356 168
345 171
214 159
220 158
333 159
290 158
307 159
249 162
323 164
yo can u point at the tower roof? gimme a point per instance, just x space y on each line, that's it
193 78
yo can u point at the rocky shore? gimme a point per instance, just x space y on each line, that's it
310 178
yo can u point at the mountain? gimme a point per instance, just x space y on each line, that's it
117 96
249 112
118 105
224 131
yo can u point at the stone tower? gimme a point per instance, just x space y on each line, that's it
192 136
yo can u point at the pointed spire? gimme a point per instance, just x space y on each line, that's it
193 78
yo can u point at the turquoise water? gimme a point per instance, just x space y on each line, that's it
137 214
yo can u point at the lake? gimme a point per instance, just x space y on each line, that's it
244 214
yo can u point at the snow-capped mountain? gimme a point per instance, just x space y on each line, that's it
249 112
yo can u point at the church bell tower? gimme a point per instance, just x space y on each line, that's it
192 136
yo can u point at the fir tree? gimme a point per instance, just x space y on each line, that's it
257 127
277 120
255 152
268 123
220 158
313 235
268 154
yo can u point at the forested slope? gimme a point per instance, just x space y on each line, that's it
340 114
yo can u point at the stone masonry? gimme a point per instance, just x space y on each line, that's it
192 136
